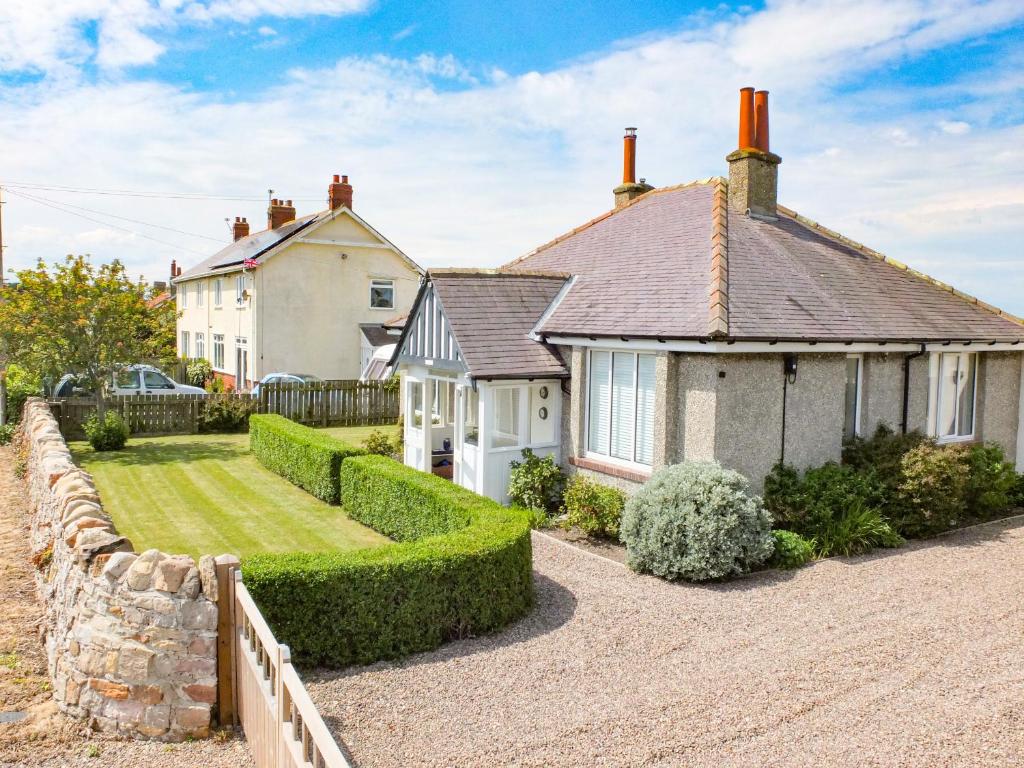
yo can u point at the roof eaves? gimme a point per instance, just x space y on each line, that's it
498 272
860 248
612 212
718 309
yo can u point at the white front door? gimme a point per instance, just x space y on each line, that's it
241 364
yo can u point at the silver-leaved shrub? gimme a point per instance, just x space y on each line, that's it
695 521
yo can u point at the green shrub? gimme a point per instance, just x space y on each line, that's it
379 444
991 481
306 457
7 433
535 483
932 494
791 550
695 521
462 567
198 372
594 508
225 415
855 530
21 385
1017 494
806 504
882 454
107 434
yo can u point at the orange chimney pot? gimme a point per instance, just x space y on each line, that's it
629 157
761 120
746 138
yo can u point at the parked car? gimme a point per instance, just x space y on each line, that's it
285 378
72 385
147 380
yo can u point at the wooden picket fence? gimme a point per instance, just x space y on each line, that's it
340 403
327 404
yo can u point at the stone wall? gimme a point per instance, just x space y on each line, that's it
131 639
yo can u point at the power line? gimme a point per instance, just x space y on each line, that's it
115 216
62 209
138 193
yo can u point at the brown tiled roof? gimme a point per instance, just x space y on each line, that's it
161 298
491 315
377 334
675 263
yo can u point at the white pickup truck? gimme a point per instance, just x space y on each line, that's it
147 380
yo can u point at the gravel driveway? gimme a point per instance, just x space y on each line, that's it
911 657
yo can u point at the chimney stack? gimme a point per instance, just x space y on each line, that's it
240 228
629 190
279 212
339 193
753 168
174 268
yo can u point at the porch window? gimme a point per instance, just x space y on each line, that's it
505 424
954 394
471 416
416 403
620 419
854 377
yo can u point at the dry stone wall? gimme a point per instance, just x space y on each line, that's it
131 639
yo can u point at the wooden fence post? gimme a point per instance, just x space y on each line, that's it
226 566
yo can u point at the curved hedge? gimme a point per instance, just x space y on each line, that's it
462 567
308 458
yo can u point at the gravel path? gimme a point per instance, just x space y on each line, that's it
906 658
45 737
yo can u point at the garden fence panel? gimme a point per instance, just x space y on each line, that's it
283 728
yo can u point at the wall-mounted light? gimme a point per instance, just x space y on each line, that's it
789 368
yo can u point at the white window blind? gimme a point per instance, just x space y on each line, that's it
600 400
954 395
623 416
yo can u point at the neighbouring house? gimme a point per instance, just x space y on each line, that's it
295 297
697 322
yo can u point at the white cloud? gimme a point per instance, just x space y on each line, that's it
266 31
954 127
460 172
403 33
51 36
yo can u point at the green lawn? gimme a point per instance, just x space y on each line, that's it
205 494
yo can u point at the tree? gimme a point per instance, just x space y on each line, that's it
76 318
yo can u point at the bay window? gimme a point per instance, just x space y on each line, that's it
620 418
953 393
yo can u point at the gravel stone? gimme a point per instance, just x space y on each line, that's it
908 657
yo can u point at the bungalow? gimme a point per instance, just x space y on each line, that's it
696 322
300 296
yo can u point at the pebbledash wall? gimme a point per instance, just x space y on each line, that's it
131 639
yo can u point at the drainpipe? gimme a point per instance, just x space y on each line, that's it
906 386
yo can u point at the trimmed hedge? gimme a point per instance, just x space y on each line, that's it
462 567
306 457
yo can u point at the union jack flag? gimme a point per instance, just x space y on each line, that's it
250 264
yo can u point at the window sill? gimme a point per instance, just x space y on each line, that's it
957 440
614 470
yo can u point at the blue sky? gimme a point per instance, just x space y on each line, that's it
475 131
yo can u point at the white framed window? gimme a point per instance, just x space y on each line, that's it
382 294
954 384
620 406
471 415
218 292
506 421
416 403
200 345
218 350
240 290
200 293
183 295
184 344
854 394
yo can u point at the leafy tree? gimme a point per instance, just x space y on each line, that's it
76 318
161 339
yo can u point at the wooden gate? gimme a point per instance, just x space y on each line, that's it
282 725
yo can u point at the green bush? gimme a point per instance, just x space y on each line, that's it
535 483
695 521
1017 494
791 550
594 508
7 433
225 415
198 372
462 567
807 504
855 530
379 444
306 457
932 494
21 385
107 434
991 481
882 454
